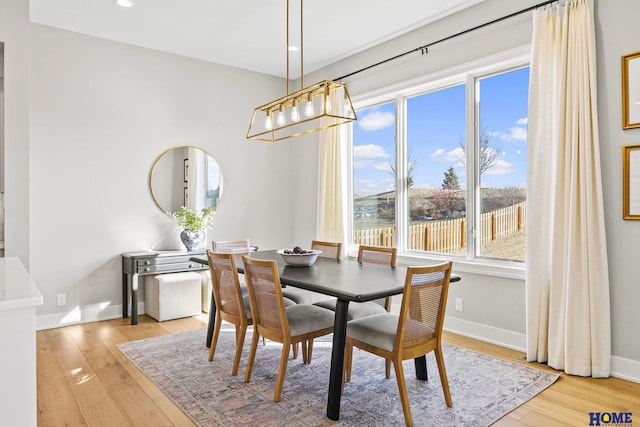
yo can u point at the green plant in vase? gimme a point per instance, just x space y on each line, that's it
194 225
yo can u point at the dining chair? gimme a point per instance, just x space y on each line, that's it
234 246
329 249
221 246
414 332
302 296
357 310
231 305
271 319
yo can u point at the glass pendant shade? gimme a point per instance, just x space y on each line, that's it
295 113
326 104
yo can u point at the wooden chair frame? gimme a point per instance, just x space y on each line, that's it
284 334
403 351
233 314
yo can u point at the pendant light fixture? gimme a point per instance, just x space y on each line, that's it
322 105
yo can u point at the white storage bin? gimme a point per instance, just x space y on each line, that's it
173 295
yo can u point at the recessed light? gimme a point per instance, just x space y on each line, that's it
125 3
293 48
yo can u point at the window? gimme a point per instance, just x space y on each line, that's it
374 197
441 168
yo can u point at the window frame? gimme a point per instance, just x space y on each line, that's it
470 74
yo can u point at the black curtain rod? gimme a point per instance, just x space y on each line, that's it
424 49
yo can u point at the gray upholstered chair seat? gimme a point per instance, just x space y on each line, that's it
302 296
378 330
356 310
305 318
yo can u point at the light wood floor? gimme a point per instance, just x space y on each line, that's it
83 379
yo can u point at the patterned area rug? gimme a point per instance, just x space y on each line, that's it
483 388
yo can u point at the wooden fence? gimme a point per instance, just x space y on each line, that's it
448 236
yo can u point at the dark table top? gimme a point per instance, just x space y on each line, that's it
345 279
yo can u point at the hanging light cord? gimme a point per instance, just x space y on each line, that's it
425 49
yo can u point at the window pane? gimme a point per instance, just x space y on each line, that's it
436 174
503 164
374 176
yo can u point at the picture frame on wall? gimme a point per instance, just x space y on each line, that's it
631 91
631 181
186 170
185 197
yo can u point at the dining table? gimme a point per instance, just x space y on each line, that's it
346 280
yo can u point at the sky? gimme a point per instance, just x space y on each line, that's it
435 129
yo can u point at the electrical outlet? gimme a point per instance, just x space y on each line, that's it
459 304
61 299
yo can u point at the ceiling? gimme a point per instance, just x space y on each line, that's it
249 34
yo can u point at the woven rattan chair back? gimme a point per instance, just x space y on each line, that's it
265 292
225 283
329 249
234 246
377 255
423 303
229 302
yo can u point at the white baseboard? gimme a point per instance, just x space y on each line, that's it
77 316
625 369
622 368
490 334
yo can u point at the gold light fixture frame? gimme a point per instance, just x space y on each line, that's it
326 104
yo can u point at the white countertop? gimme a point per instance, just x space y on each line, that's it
17 290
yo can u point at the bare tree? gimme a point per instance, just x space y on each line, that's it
411 166
488 154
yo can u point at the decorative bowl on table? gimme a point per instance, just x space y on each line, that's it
299 257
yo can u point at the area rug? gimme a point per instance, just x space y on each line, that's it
483 388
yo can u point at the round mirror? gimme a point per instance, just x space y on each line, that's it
185 176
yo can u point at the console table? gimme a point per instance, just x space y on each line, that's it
136 264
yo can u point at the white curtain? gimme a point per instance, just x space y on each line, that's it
568 315
330 178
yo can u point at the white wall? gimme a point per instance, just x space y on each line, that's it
617 34
14 32
101 113
494 307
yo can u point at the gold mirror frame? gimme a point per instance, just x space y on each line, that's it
631 91
631 181
181 171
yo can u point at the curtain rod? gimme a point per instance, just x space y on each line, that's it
424 49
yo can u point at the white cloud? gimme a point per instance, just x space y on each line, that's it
369 151
453 156
523 121
367 156
517 133
376 120
500 167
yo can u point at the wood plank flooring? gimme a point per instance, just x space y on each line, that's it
83 379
